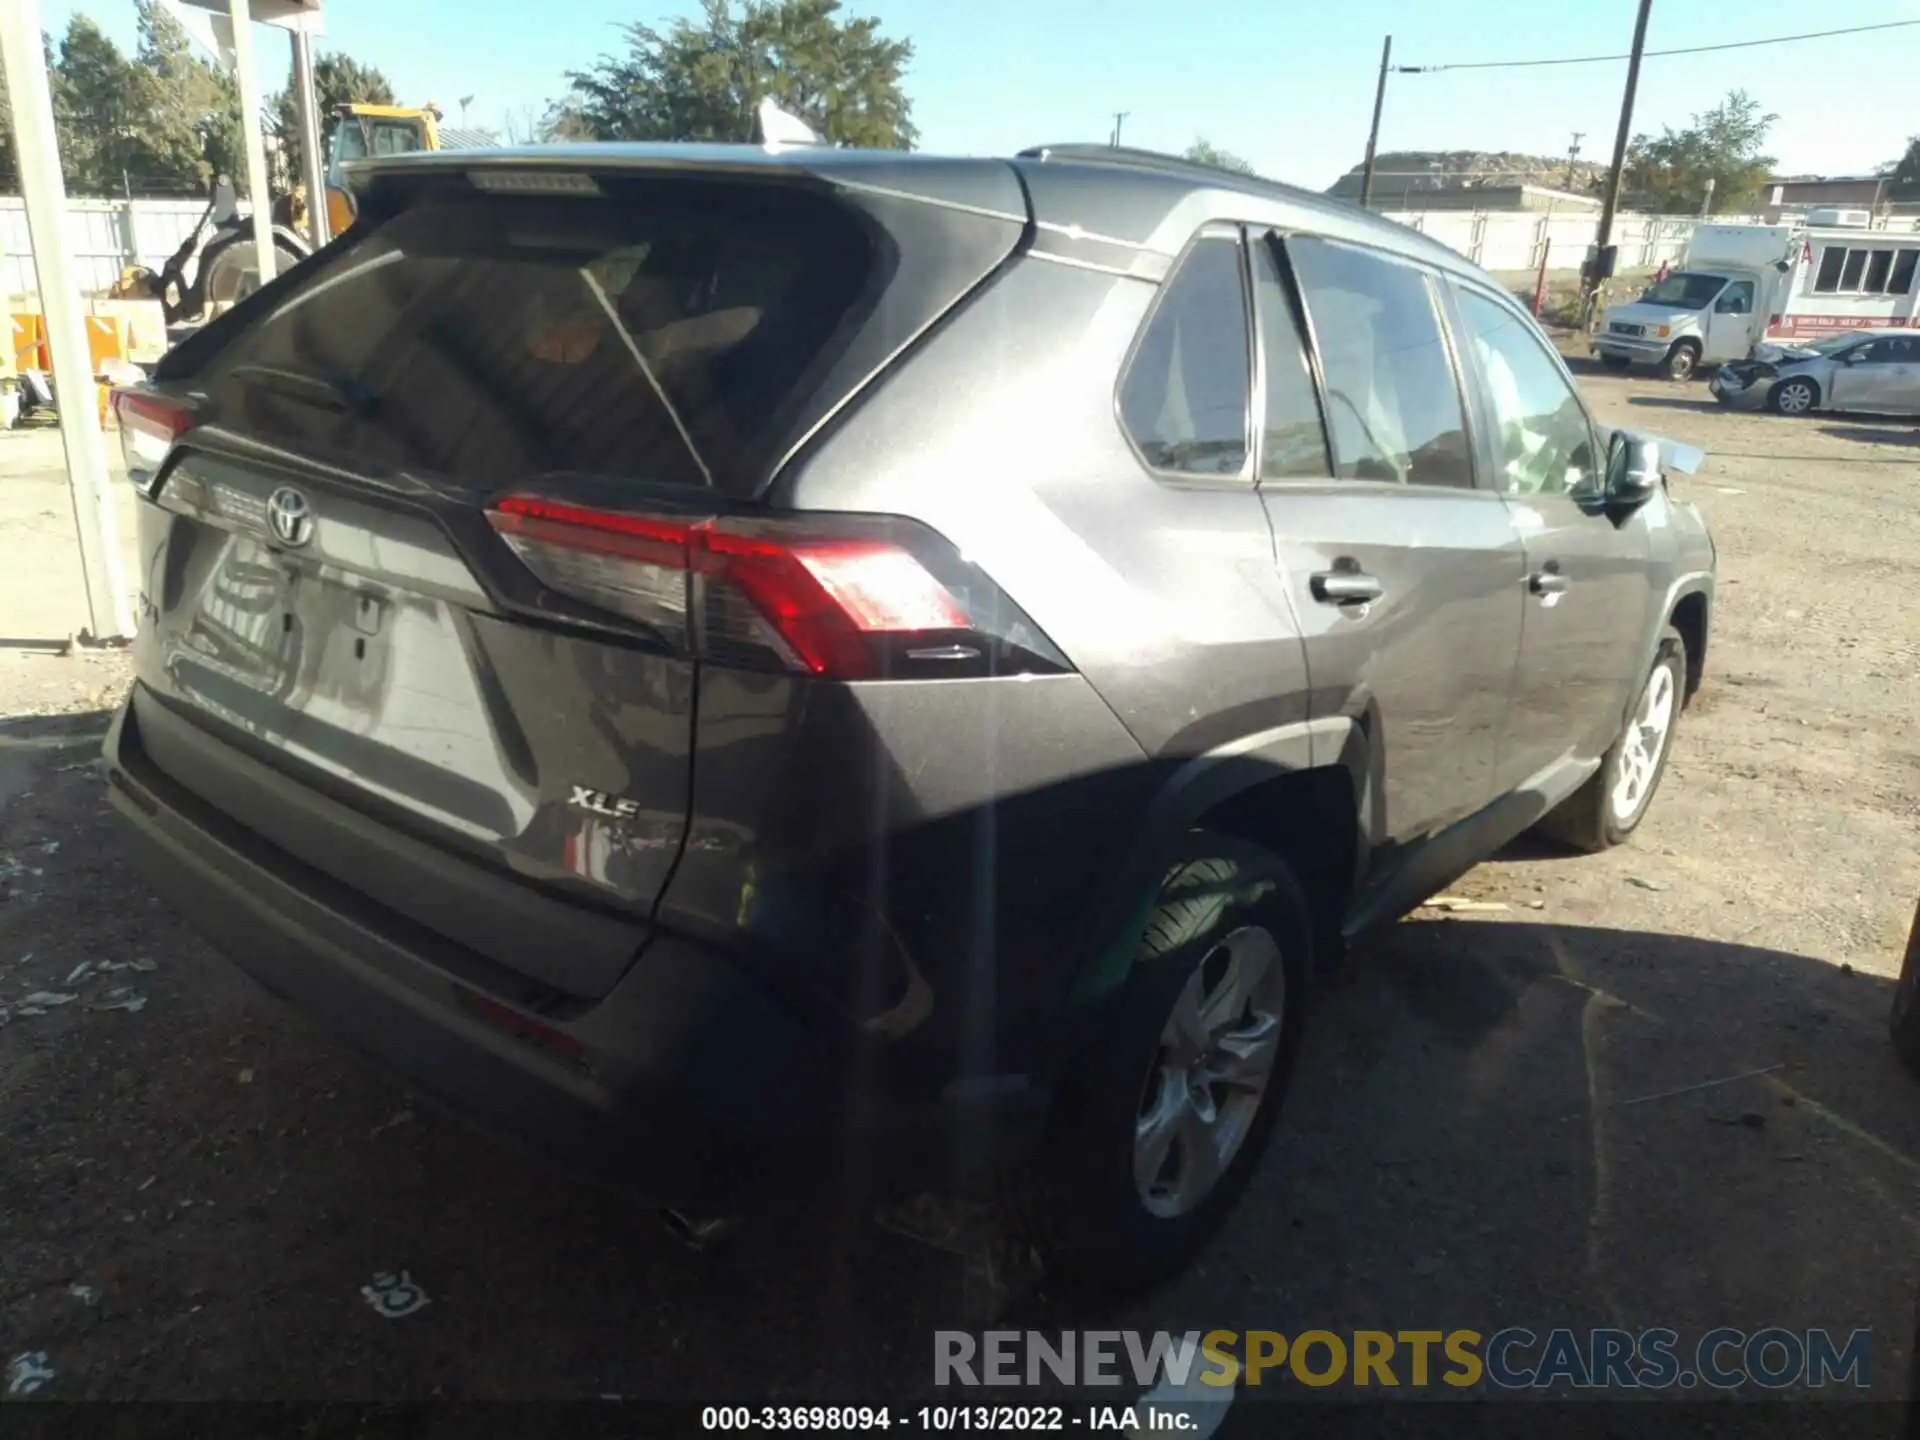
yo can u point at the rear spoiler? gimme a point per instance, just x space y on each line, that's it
988 187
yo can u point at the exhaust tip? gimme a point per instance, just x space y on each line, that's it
696 1233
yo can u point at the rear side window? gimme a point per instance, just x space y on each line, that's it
1393 402
664 333
1184 398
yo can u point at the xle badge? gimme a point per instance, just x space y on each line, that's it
601 803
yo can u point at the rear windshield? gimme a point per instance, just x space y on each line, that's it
664 333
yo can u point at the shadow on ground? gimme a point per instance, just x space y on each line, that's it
1664 402
1581 362
1908 434
1494 1123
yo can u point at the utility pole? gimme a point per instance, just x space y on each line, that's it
1603 238
1573 157
1119 119
1706 204
1373 134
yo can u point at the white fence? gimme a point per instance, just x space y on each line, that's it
104 237
1516 240
109 235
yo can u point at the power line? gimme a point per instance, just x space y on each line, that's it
1685 50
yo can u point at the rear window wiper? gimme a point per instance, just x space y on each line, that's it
338 394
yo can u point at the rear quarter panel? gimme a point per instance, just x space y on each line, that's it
979 819
1002 435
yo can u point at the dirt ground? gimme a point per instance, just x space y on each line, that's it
197 1185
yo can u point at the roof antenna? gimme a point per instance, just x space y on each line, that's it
773 127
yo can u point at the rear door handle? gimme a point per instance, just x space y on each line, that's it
1346 587
1547 582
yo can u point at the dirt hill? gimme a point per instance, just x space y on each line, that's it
1443 169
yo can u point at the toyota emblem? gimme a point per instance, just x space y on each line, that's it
290 516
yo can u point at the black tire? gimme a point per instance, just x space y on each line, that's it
1617 362
232 275
1682 360
1588 819
1903 1021
1078 1202
1788 406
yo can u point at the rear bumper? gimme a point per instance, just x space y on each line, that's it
690 1082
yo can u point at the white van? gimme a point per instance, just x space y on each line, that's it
1743 284
1714 308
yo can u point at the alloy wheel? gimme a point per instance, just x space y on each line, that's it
1646 742
1217 1056
1795 398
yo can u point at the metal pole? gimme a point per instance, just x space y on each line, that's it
1119 119
108 617
257 197
1373 135
1603 237
314 172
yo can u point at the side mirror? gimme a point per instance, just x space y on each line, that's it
1633 470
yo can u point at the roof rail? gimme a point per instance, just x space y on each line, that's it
1120 155
1087 152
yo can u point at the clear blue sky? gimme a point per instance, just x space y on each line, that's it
1288 85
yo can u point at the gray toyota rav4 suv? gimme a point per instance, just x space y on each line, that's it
762 669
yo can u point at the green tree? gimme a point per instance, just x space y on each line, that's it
1205 152
100 102
1669 173
701 79
564 121
338 80
9 163
1903 181
191 125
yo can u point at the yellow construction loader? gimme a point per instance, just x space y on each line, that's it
363 130
216 265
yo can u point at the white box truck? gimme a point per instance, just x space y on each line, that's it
1740 285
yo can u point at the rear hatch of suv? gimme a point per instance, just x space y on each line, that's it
426 516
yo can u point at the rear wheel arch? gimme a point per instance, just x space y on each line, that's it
1310 819
1297 792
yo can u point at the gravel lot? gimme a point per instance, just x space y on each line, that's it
1469 1143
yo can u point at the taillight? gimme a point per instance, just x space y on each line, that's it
848 598
148 425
